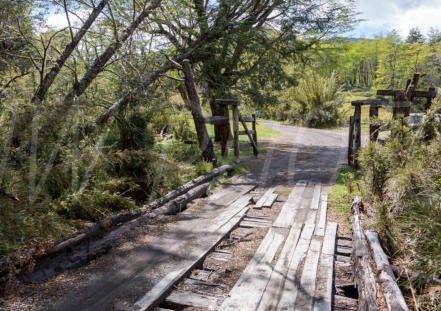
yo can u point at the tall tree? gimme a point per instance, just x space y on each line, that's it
415 35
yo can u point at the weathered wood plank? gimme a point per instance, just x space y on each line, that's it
289 209
264 198
270 200
363 274
316 196
222 224
343 250
183 299
329 240
289 294
345 303
307 282
321 226
274 287
323 300
246 293
324 296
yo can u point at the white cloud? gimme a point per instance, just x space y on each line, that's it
402 15
58 21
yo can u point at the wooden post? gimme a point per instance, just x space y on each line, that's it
236 130
429 99
373 129
225 131
351 141
357 134
254 128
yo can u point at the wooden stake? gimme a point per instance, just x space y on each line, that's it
351 141
236 130
373 129
254 128
357 134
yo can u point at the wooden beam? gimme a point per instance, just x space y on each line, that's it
216 120
372 102
391 291
225 101
264 198
363 274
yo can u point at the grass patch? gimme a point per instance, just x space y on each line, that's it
344 190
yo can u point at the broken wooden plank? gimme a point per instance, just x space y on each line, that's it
307 282
246 293
316 196
183 299
264 198
274 287
344 242
271 199
265 221
321 226
289 209
289 294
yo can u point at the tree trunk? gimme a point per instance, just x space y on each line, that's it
204 140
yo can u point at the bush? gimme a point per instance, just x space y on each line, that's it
404 177
317 99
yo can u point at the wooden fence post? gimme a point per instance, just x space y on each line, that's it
236 130
373 129
357 133
254 128
225 131
351 141
429 99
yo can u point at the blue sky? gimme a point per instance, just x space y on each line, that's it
381 16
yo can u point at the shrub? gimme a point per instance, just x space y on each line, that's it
317 99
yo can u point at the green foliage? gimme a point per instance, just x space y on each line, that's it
317 100
404 177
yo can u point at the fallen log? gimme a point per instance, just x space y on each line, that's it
363 274
82 253
391 291
107 224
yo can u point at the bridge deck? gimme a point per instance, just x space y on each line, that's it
293 267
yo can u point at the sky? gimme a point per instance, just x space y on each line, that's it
378 17
381 16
